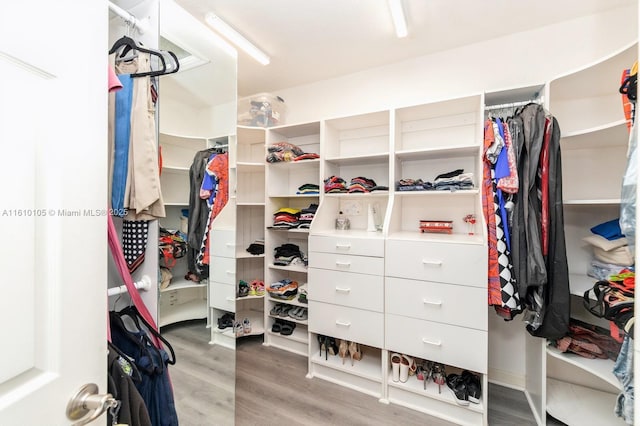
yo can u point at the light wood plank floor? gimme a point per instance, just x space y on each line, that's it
271 389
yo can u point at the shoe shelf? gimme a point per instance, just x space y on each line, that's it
249 297
441 405
223 337
256 320
364 376
290 319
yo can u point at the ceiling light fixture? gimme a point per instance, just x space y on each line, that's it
236 38
399 20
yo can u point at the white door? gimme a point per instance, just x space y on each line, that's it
53 168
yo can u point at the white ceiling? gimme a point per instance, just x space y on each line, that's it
312 40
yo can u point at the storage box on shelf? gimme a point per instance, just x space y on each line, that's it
589 110
261 110
183 299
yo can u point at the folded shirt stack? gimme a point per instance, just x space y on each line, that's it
308 189
307 215
256 247
454 180
285 151
286 217
289 254
334 184
610 250
413 185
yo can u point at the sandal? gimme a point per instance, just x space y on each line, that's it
277 326
405 363
458 388
275 311
286 329
474 388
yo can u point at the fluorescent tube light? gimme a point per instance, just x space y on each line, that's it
399 20
236 38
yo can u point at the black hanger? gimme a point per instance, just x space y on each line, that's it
128 44
133 313
135 376
629 87
119 330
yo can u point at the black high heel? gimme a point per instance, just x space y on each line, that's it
322 342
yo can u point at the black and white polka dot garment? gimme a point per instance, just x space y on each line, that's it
135 234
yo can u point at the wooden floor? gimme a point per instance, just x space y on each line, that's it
271 389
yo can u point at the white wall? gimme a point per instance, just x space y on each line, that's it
523 59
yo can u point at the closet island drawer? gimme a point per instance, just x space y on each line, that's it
445 303
448 344
356 325
222 296
464 264
347 263
347 245
346 289
223 243
222 269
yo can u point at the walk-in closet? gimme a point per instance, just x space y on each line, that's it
313 213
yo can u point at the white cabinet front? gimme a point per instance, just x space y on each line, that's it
347 263
442 262
351 324
347 245
446 303
347 289
222 296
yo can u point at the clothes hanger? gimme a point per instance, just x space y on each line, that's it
126 44
135 373
133 313
142 346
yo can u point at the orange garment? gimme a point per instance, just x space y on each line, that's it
218 167
488 209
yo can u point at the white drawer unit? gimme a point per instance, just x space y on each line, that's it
223 242
445 303
222 270
449 344
222 296
347 263
347 245
347 289
442 262
356 325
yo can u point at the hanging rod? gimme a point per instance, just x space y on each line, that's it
513 104
143 284
128 17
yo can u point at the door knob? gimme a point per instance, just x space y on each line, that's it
87 404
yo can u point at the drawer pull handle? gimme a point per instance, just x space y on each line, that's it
343 246
230 272
429 342
432 262
230 299
343 290
429 302
347 264
343 324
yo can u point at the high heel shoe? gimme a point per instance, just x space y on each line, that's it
332 345
355 352
322 343
343 350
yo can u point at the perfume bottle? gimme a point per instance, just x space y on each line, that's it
342 222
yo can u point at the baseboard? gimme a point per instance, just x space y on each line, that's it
507 379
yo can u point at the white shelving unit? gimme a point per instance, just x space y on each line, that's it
588 107
183 299
447 306
282 182
238 225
